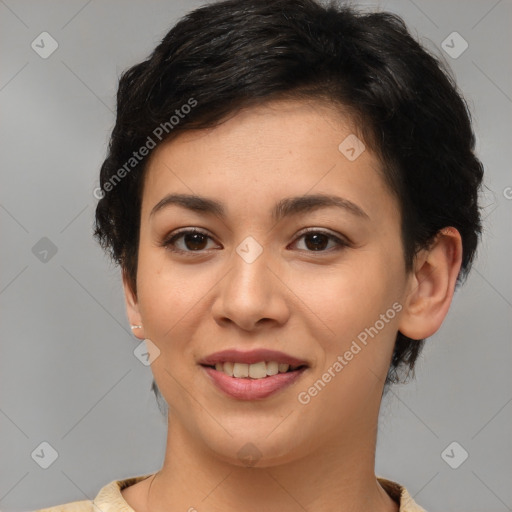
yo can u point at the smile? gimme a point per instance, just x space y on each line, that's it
252 375
259 370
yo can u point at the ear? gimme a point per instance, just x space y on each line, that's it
132 308
432 285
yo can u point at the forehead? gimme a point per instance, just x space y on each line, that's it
279 149
270 130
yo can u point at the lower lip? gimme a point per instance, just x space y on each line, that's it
252 389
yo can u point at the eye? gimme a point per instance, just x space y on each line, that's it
189 240
194 240
320 241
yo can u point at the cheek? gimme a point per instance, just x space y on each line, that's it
359 305
167 294
349 297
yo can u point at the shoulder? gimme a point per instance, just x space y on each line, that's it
108 499
400 495
75 506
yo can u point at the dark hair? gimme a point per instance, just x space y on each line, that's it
233 54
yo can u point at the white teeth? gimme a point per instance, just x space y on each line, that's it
241 370
258 370
228 368
254 371
272 368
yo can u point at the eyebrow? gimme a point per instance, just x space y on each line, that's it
284 208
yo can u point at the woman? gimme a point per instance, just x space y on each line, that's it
292 195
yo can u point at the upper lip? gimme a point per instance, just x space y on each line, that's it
250 357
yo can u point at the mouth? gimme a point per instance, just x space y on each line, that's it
260 370
253 375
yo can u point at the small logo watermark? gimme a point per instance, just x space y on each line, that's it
352 147
44 455
249 454
44 45
249 249
146 352
454 455
44 250
454 45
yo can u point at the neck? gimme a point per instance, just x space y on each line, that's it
339 478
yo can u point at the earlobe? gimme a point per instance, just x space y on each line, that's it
432 285
132 308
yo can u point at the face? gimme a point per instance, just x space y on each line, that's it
289 258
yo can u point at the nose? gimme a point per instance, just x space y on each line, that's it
250 296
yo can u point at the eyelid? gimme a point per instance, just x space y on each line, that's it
321 230
191 229
168 239
341 240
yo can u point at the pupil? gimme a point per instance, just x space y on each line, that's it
318 240
195 241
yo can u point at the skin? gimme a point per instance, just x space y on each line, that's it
306 303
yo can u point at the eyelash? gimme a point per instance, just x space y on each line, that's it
169 242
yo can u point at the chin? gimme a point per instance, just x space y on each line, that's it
256 449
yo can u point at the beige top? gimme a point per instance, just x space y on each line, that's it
110 499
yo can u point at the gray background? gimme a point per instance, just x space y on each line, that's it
68 375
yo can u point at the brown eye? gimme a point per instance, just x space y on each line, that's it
189 240
195 241
319 241
316 241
